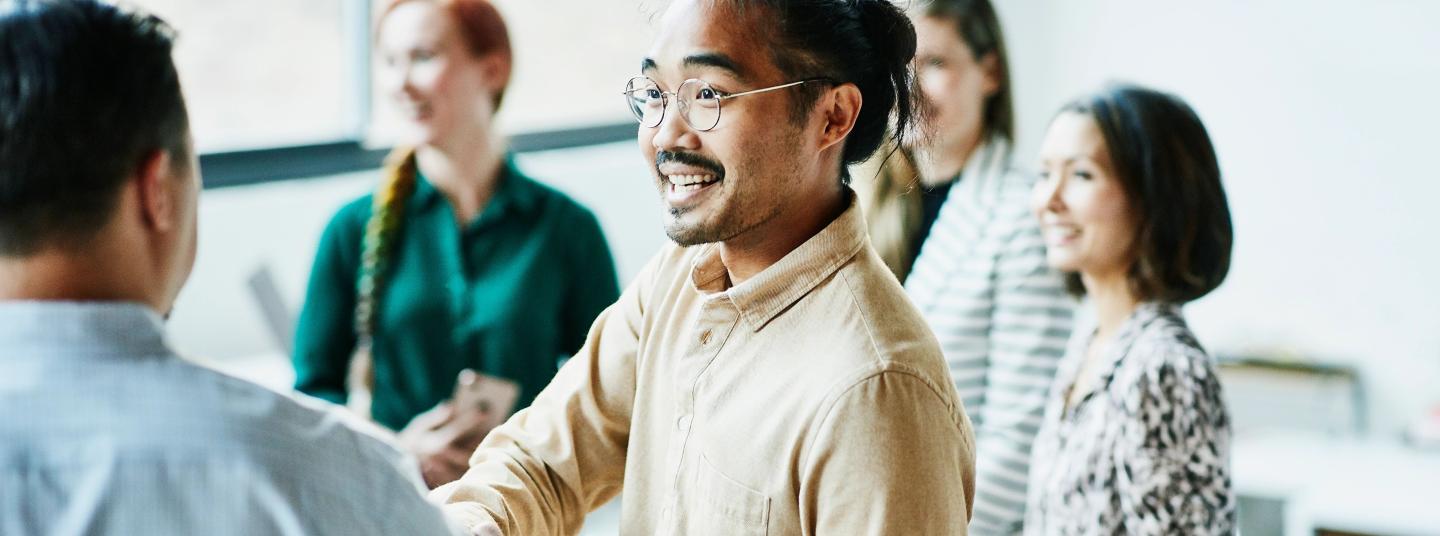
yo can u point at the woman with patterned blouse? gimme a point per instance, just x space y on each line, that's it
1135 439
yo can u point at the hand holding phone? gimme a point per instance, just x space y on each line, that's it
490 397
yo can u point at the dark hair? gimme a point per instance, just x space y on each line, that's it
869 43
87 90
1167 167
979 28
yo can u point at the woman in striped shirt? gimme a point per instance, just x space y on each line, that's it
979 274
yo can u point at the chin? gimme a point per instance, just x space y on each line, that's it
687 230
1062 263
685 234
415 135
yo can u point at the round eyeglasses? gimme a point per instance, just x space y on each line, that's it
699 103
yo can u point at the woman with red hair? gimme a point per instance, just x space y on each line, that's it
458 260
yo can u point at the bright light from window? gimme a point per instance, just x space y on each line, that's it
266 73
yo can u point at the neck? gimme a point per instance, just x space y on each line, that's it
753 251
942 166
465 173
72 276
1113 300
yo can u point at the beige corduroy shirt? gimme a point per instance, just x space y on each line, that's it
809 399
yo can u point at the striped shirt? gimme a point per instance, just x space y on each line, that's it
1002 318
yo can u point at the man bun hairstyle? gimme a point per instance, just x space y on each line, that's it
869 43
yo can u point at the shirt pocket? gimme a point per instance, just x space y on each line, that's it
721 505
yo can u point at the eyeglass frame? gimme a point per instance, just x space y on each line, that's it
719 106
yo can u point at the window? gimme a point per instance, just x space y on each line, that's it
572 58
282 88
267 73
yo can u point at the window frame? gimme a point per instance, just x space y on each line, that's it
223 169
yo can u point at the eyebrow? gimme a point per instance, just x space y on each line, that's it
705 59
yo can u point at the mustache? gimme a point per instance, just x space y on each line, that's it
689 159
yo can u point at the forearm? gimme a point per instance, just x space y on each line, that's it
552 463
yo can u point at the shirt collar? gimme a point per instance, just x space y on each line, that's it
58 328
514 192
762 297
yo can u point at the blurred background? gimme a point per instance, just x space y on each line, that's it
1322 112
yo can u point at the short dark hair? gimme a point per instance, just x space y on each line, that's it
979 27
1167 167
87 90
869 43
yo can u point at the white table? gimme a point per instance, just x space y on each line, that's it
1367 486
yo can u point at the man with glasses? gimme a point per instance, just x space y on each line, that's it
766 375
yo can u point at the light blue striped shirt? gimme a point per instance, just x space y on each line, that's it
104 430
1002 317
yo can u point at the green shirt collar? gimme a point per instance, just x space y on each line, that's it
514 193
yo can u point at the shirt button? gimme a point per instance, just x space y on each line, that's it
705 337
683 424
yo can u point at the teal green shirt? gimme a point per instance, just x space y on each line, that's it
509 294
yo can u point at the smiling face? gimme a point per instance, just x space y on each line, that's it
1088 221
954 82
721 184
442 91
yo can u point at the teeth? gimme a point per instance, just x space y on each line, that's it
1062 232
693 181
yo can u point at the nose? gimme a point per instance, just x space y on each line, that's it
1047 196
394 78
407 79
674 132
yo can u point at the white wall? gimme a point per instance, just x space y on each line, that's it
1322 114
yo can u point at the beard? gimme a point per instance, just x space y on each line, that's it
729 213
701 232
742 202
694 234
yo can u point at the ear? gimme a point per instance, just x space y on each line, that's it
496 68
990 66
154 181
841 109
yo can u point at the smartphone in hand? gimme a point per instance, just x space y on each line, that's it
490 397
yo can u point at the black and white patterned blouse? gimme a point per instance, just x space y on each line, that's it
1147 451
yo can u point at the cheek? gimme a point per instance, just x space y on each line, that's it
389 78
1039 198
1110 205
646 139
433 79
932 84
939 88
1111 213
